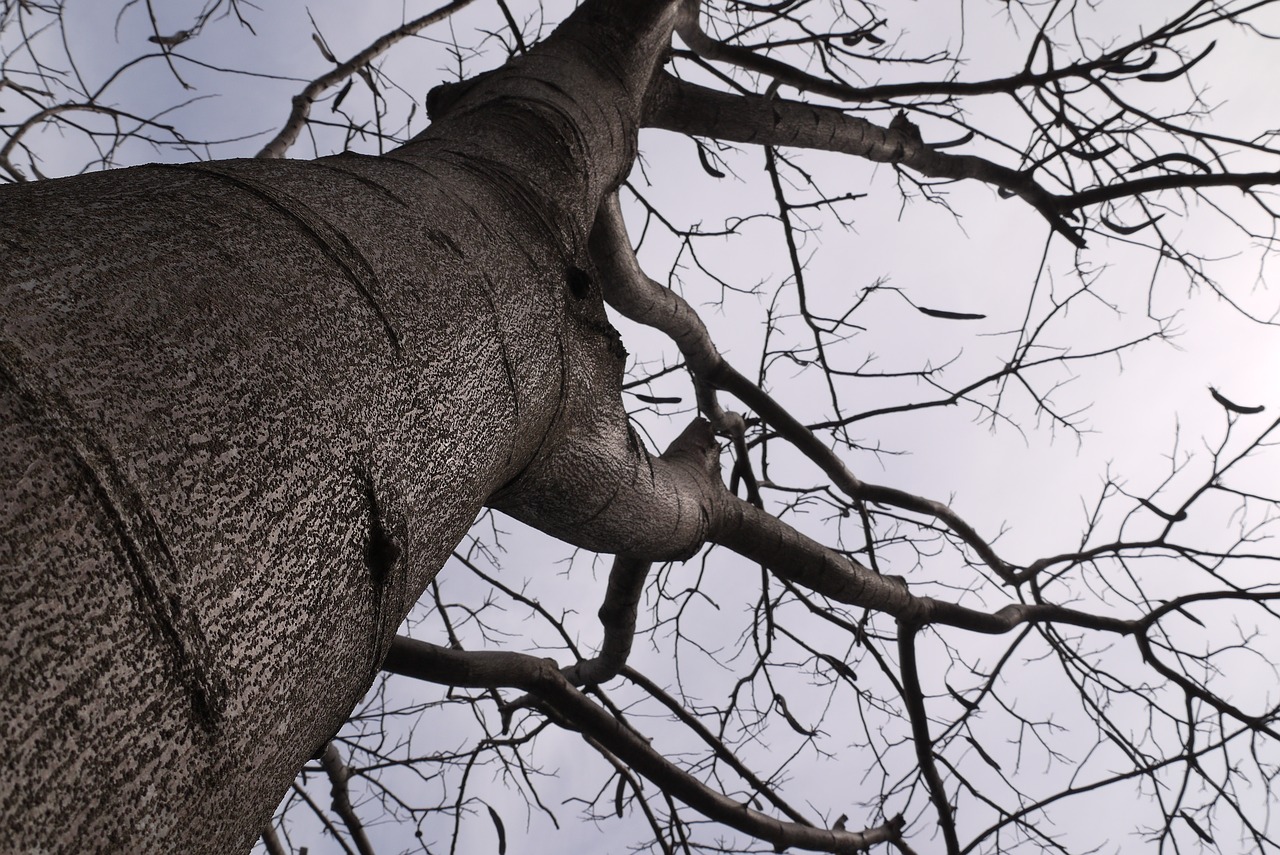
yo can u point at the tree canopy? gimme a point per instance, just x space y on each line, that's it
953 321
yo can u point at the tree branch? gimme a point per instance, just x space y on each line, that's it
491 669
629 290
913 698
339 773
301 110
684 107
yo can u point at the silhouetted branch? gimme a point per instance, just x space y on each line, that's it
278 145
489 669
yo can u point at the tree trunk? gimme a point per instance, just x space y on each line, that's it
248 408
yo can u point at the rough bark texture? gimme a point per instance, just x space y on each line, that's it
247 409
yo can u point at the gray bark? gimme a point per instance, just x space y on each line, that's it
248 408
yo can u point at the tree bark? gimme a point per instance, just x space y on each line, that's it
248 408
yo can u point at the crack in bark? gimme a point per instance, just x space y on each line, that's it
508 370
155 573
336 246
386 555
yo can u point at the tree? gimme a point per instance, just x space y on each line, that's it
251 408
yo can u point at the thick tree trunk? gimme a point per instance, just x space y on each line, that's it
248 408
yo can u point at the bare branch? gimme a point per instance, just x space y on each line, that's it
278 145
424 661
339 773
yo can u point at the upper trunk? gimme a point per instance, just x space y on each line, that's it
246 411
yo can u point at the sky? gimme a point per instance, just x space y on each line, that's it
1140 414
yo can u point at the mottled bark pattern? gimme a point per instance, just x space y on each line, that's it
246 411
198 391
